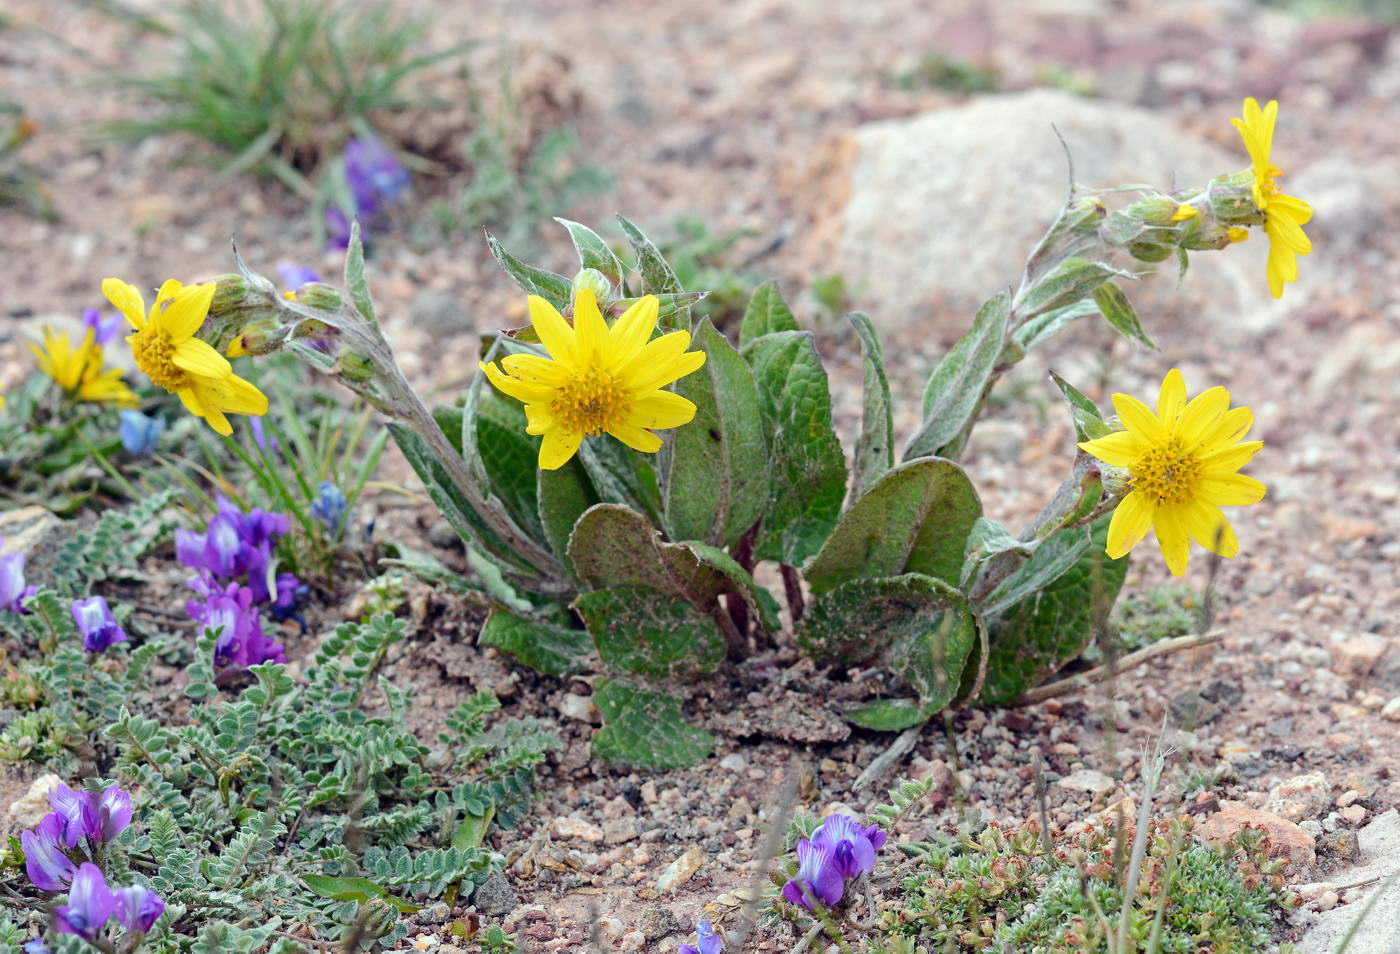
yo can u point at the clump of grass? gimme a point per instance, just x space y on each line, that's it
701 259
1163 612
278 85
20 185
951 74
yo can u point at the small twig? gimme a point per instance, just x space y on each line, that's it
1042 802
812 932
1099 673
899 748
1069 159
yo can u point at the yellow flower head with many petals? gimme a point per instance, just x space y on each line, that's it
598 379
79 372
166 349
1284 215
1183 463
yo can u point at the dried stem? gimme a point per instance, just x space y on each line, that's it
1084 679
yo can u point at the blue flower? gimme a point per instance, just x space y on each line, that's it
103 330
708 941
13 592
138 908
90 904
330 506
140 432
99 628
37 946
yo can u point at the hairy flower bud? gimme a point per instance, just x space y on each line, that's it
1150 251
230 291
1232 199
1116 480
596 282
320 295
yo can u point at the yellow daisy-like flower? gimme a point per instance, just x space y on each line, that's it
166 349
79 372
1183 463
1284 215
598 379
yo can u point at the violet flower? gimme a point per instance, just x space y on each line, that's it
37 946
841 849
99 627
266 444
330 506
838 830
138 908
13 592
44 859
140 432
241 642
707 941
114 813
77 813
337 228
235 545
294 276
371 171
103 330
90 904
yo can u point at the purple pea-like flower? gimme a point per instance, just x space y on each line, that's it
114 813
104 330
138 908
268 445
839 829
77 813
235 545
90 904
98 626
44 859
241 642
707 940
337 228
37 946
371 169
294 276
13 592
819 875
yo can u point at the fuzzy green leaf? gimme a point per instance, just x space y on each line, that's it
715 482
809 469
563 495
916 519
766 313
956 387
554 288
1053 557
542 646
761 602
1088 422
354 889
657 276
875 449
890 715
645 729
508 456
1043 327
593 252
1120 314
1073 280
1054 621
356 285
641 630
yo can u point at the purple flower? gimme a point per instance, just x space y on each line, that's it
294 276
13 592
337 228
138 908
838 830
241 642
371 170
37 946
139 432
103 330
90 904
235 545
114 812
48 867
77 813
708 940
330 506
266 444
99 627
819 874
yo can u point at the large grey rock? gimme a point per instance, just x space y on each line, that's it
38 534
1379 933
929 216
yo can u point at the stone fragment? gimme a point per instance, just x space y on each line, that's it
576 829
681 870
1356 656
1282 838
495 896
1087 780
27 810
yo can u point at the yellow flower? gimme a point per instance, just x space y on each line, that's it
598 379
1284 215
1183 464
166 349
79 372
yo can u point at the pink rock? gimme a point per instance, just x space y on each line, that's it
1283 838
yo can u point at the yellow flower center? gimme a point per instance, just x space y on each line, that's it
1166 473
590 401
154 353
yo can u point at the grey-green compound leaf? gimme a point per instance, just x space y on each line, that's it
716 483
641 630
1120 314
875 449
543 646
1052 624
766 313
657 276
593 252
554 288
918 626
916 519
809 468
954 391
644 729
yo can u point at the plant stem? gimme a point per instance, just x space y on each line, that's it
1084 679
792 588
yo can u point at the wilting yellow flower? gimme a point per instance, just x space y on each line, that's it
598 379
79 372
1284 215
166 349
1182 463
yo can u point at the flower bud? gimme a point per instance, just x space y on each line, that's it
1150 251
319 295
1232 199
230 292
1116 480
596 282
354 367
259 336
1156 210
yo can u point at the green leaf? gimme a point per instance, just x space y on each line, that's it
1073 280
1120 314
644 729
890 715
354 889
1052 623
356 285
987 539
761 602
593 252
916 519
1053 557
508 456
540 645
875 449
657 276
1088 423
809 474
644 631
715 480
563 495
956 387
1043 327
472 832
667 305
556 289
917 626
767 312
617 473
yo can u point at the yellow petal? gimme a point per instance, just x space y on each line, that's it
1172 398
1291 208
661 409
187 309
191 401
528 393
532 369
1233 425
636 438
1207 526
590 330
126 299
1231 490
243 397
215 419
632 331
1119 449
1131 521
1172 539
555 333
660 353
538 420
557 447
198 357
1230 459
1201 415
1138 418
